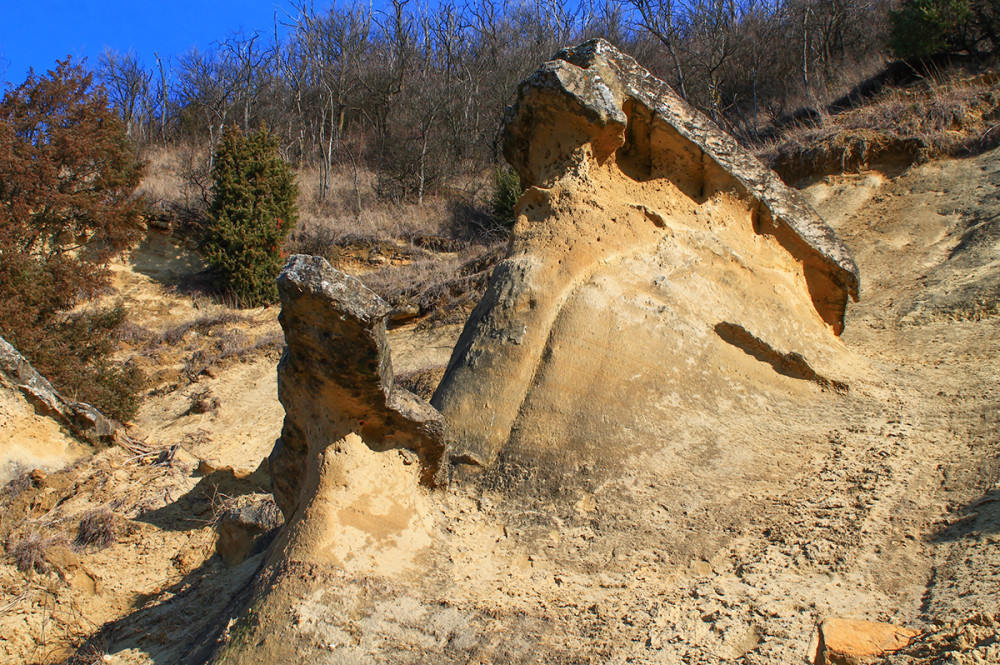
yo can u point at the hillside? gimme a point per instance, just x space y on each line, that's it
866 490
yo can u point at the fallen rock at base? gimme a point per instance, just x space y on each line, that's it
244 524
851 642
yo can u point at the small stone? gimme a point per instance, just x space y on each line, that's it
850 642
244 526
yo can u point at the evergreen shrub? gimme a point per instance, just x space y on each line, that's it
253 209
506 192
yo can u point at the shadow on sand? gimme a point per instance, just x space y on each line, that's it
178 624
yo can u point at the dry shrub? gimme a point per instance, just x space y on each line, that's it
203 325
422 382
20 483
939 117
402 284
132 333
203 401
98 528
259 509
315 239
88 654
29 551
445 289
199 437
232 345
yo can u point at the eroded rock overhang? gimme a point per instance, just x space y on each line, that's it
603 150
626 113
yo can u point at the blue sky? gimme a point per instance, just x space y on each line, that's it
35 33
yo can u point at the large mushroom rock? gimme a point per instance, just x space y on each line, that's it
645 237
336 383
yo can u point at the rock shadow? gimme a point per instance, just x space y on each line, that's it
197 507
179 624
979 516
790 364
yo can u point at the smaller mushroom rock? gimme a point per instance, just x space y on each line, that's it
335 379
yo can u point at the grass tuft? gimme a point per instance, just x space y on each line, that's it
30 551
98 528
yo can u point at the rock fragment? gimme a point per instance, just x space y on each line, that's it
82 419
244 524
851 642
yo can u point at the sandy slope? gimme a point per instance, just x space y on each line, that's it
31 441
930 246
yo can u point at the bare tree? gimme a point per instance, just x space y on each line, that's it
414 93
127 83
663 19
245 67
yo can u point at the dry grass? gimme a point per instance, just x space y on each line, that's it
163 179
17 485
232 345
203 325
176 184
30 550
940 116
98 528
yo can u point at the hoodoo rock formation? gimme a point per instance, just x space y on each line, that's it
337 380
655 363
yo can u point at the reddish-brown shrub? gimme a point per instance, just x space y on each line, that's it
67 205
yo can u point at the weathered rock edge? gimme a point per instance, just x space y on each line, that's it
610 90
83 420
335 377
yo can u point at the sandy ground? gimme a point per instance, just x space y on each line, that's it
31 441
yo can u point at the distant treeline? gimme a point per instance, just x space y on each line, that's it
415 92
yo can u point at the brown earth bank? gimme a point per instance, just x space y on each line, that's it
700 472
